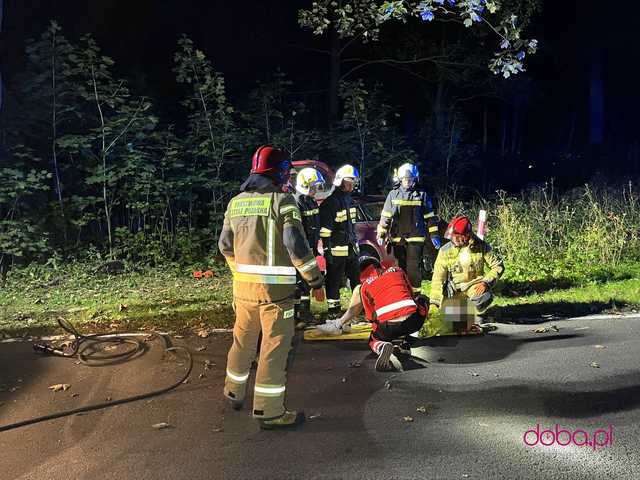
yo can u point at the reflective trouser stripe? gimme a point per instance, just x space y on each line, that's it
270 390
342 251
396 239
236 378
333 302
407 203
395 306
304 298
415 239
265 269
268 279
387 214
429 215
432 229
325 232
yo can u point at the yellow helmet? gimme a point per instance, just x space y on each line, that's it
346 171
306 178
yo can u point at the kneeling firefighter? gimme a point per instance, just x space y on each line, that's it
264 244
389 303
460 267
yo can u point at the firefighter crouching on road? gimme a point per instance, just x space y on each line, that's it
308 181
389 303
337 231
410 211
460 267
263 242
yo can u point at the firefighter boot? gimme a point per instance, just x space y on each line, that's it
233 402
289 419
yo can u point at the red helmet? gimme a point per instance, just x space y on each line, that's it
268 159
459 225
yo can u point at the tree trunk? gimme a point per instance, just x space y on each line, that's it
334 77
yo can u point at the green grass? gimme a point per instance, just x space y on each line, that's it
172 300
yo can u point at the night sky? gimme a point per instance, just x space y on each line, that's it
248 40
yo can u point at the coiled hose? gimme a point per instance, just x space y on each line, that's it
85 348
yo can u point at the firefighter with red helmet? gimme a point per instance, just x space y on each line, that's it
388 301
338 234
466 266
409 210
265 247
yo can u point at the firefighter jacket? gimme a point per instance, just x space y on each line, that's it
464 267
263 242
337 223
411 214
387 296
310 219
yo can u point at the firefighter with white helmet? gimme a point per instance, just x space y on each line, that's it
308 182
337 232
264 244
410 211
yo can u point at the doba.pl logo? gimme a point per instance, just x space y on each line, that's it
563 437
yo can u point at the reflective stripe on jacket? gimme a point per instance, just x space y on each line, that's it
337 223
310 212
263 242
387 296
412 216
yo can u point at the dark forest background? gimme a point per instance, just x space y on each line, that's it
126 126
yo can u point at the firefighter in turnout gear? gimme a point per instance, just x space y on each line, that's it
337 231
466 266
410 211
390 304
265 247
308 181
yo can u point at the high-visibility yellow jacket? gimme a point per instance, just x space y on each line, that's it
411 213
465 266
264 244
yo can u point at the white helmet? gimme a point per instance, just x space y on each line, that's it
306 178
346 171
408 170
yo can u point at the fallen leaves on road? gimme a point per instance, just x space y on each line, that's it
160 426
550 328
355 364
426 409
599 346
208 364
387 385
473 374
315 415
203 333
344 380
59 387
594 365
408 418
201 349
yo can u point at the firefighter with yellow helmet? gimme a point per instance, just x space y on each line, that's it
264 244
308 182
410 211
337 231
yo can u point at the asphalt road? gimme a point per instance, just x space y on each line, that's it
480 396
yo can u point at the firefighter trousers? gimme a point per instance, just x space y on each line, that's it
337 269
275 321
409 256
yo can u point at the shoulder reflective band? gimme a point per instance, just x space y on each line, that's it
269 391
237 378
433 228
429 215
384 213
265 269
288 313
249 207
415 239
267 279
407 203
287 209
308 265
325 232
395 306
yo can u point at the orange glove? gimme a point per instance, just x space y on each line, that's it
478 289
